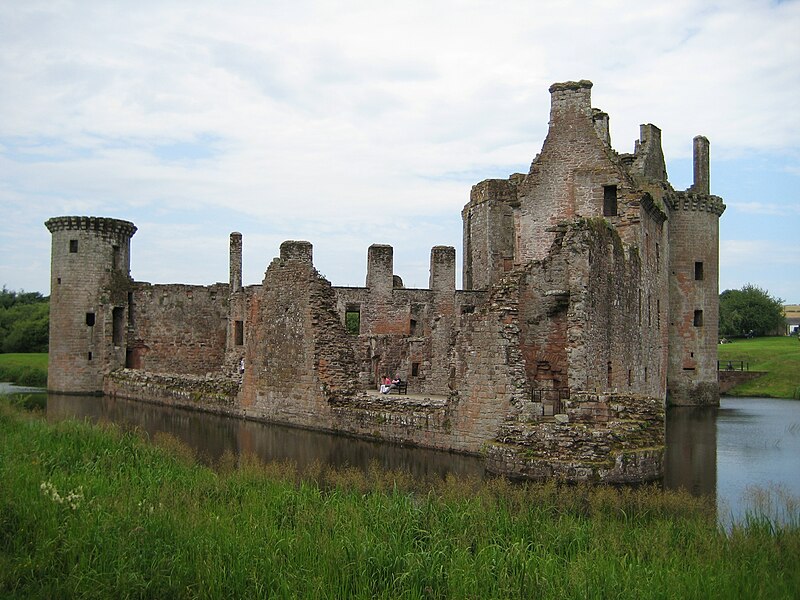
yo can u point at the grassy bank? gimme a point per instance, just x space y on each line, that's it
778 356
24 369
97 512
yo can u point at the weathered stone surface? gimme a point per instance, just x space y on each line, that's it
590 299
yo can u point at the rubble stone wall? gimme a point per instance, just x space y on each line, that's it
178 328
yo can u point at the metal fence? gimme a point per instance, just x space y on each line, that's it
733 365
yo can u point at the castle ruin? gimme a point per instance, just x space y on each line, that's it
590 302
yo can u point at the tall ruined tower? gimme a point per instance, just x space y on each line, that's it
90 293
694 288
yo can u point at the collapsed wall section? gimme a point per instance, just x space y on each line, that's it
587 318
399 332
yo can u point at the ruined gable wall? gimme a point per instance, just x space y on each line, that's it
178 328
566 180
381 353
298 357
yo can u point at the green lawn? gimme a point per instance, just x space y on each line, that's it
24 369
778 356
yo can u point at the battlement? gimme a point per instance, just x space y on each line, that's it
689 200
103 225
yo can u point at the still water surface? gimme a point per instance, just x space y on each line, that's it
730 452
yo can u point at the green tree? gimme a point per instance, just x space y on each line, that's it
750 310
24 321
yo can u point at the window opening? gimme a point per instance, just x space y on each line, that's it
609 201
90 319
90 356
467 309
238 327
352 320
115 257
412 327
414 369
118 316
698 271
630 377
698 318
73 246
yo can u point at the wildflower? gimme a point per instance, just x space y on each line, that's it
73 497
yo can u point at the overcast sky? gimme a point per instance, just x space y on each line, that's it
358 122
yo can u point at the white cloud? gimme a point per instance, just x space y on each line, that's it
326 121
774 209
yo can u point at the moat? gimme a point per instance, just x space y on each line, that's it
721 452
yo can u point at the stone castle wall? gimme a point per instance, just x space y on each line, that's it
583 307
178 328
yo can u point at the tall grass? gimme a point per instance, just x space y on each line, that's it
100 512
24 369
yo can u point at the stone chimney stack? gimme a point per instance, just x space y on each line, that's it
297 250
443 269
235 268
380 266
569 100
601 125
702 179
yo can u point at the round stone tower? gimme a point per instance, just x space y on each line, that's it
694 288
90 294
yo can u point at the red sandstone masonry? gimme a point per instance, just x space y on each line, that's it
562 291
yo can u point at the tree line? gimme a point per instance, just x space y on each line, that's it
24 321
